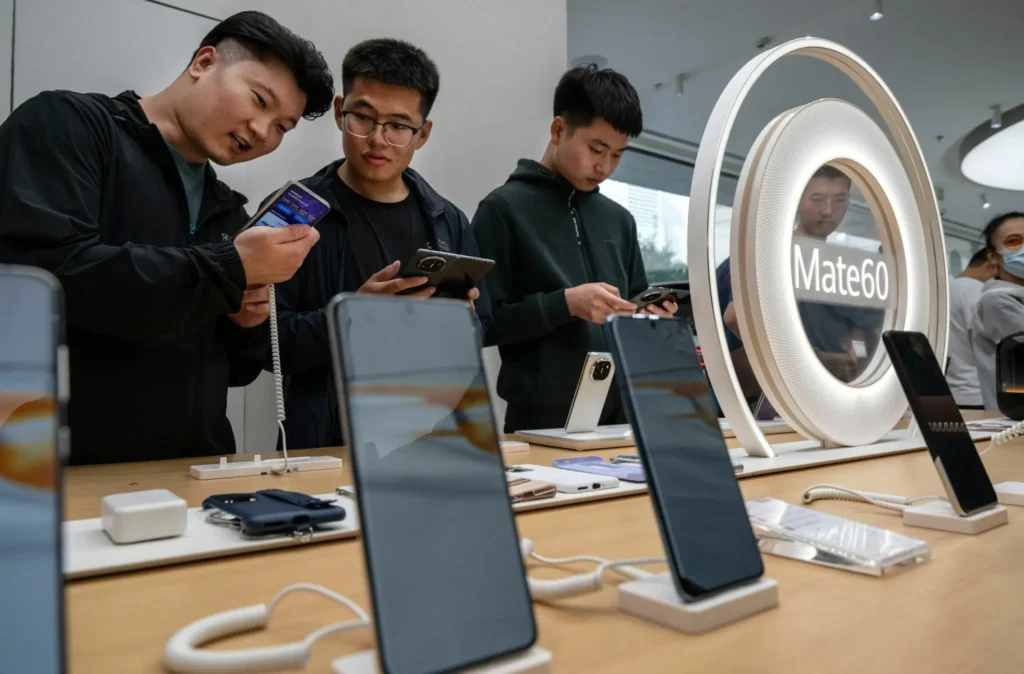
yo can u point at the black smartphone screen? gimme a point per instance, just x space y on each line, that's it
963 474
31 588
442 551
700 510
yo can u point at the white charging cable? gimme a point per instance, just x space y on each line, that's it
275 354
831 492
183 654
582 584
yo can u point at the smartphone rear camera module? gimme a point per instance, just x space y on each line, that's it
601 370
650 297
431 265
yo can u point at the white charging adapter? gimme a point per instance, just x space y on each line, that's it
138 516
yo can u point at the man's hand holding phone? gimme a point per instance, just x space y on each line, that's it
385 283
595 302
255 307
273 254
666 309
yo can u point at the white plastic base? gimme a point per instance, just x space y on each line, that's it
656 599
298 464
940 515
513 447
604 437
534 661
1010 493
139 516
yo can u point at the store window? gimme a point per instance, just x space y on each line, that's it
655 191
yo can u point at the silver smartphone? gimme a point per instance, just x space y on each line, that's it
293 204
33 439
591 392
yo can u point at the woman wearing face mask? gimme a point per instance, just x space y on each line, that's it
1001 307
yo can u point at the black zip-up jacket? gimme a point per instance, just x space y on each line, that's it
90 192
546 237
311 404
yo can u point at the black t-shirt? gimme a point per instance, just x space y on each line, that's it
400 228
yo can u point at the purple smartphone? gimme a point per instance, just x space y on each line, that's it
597 466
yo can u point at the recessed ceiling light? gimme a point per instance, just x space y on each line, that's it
997 117
680 80
984 201
879 12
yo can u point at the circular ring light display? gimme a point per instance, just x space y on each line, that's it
895 182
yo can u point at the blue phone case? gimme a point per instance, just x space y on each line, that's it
274 511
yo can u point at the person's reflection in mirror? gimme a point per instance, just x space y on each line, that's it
842 336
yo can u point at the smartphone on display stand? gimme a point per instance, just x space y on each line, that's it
949 442
33 441
591 392
293 204
704 526
442 551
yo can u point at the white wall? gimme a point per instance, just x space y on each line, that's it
499 62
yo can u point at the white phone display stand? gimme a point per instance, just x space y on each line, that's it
604 437
1010 493
513 446
533 661
656 599
940 515
298 464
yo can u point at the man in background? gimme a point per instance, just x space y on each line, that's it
832 329
567 257
964 293
382 212
118 199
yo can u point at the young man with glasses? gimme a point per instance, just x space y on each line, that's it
382 212
567 256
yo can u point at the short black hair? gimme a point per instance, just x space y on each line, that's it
831 173
980 257
586 93
394 62
265 38
994 224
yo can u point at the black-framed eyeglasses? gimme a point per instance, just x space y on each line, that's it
362 126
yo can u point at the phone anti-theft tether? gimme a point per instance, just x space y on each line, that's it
183 653
275 353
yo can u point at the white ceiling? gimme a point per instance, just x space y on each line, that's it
946 61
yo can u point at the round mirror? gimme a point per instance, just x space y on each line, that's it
842 274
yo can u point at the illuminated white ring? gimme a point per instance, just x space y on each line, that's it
776 171
700 238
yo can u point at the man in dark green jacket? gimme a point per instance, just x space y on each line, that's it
567 257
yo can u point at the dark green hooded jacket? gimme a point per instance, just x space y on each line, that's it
529 226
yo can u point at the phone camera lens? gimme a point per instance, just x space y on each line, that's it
601 370
650 297
429 265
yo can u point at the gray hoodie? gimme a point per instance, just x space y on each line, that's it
1000 314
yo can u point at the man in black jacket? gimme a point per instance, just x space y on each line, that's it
117 198
381 213
566 256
